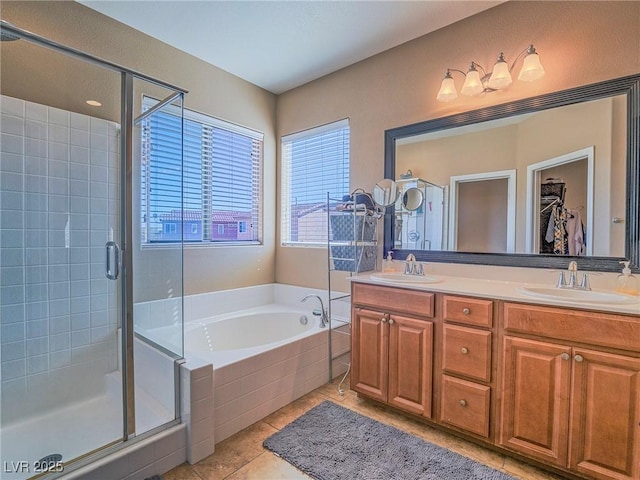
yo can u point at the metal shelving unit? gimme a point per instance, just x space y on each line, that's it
352 247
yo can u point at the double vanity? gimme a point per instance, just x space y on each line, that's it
545 374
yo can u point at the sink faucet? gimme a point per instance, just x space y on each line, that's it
324 318
412 267
573 279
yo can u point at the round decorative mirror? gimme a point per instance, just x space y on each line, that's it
385 192
412 199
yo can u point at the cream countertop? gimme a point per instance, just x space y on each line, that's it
504 290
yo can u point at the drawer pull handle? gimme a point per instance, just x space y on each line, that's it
466 311
464 350
463 403
391 321
565 356
579 358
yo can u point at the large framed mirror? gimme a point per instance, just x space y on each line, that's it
537 182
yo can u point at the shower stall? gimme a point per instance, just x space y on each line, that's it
77 382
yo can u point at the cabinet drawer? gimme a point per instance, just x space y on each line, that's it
467 351
466 405
393 299
470 311
602 329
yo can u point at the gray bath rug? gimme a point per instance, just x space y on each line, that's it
331 442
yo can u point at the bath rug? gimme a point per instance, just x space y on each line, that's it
331 442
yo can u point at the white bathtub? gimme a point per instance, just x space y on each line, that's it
232 337
263 357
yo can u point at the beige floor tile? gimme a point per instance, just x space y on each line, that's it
182 472
268 467
234 452
289 413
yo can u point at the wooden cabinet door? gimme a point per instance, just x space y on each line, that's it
605 424
369 353
410 364
535 405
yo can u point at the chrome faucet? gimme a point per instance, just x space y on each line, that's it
573 279
412 267
324 318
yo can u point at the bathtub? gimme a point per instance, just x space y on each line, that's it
263 355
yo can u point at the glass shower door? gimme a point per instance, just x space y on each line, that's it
60 205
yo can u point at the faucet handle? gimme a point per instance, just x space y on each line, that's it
584 285
418 269
562 283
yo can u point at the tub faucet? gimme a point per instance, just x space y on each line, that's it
324 318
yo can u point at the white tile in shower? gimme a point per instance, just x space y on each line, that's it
14 369
13 351
58 116
11 238
35 147
12 124
12 162
78 121
80 156
58 133
12 332
99 158
37 364
78 138
11 275
12 144
37 130
35 111
12 106
99 142
58 151
98 126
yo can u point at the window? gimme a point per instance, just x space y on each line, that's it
242 227
210 179
314 162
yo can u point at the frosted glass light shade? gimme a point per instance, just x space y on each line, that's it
532 69
472 83
500 77
447 90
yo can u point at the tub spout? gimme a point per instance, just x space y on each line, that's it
324 318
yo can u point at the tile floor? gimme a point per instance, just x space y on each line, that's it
242 456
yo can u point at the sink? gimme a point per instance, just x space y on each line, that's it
578 296
398 277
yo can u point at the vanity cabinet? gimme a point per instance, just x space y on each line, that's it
465 393
392 351
571 389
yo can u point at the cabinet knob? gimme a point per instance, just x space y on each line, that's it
464 350
384 319
579 358
391 321
463 403
466 311
565 356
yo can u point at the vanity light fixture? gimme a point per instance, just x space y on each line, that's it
499 78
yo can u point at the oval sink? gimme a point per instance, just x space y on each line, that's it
578 296
397 277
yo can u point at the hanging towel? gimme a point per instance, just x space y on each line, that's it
575 233
560 246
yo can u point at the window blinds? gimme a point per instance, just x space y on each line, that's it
314 162
211 190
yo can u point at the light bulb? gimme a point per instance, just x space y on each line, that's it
447 89
472 83
500 77
532 69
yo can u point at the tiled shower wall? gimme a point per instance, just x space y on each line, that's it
59 204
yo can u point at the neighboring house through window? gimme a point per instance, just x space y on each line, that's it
314 162
199 175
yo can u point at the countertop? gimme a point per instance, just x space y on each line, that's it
502 290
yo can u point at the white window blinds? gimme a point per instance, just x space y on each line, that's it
314 162
205 190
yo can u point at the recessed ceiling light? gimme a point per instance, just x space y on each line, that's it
94 103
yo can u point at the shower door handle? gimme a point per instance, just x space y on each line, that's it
112 264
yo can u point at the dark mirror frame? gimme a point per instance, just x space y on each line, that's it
629 86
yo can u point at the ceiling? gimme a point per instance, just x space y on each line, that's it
279 45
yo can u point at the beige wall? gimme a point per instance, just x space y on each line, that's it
578 42
211 91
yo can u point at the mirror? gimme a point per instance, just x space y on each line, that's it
585 138
412 199
385 192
